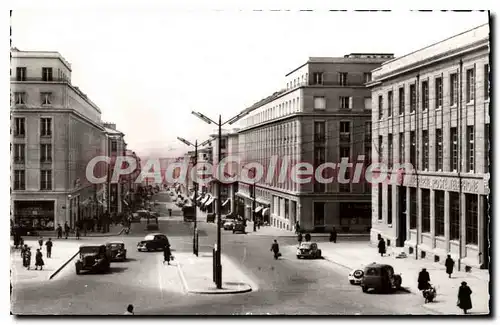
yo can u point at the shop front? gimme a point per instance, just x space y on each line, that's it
38 215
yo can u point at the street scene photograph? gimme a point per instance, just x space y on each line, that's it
176 162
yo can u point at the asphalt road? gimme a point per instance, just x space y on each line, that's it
286 286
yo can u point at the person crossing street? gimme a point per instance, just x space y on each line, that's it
275 248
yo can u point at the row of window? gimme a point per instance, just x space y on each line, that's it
20 98
22 75
470 92
470 163
342 78
20 127
20 153
276 111
471 212
45 179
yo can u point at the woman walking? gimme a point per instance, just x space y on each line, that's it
27 258
38 260
464 301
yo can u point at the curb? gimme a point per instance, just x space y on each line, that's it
63 265
312 235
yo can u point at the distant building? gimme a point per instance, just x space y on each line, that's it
431 109
322 115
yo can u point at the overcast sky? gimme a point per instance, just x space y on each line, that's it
147 69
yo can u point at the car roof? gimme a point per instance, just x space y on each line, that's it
115 242
378 266
155 234
81 246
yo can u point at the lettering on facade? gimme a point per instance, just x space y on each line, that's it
470 186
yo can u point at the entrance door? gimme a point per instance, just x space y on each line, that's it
486 234
400 242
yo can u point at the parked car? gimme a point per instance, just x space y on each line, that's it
152 242
239 227
228 224
356 275
117 250
93 258
308 250
380 277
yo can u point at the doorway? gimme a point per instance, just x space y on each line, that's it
400 242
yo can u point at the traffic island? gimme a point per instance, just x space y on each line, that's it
197 275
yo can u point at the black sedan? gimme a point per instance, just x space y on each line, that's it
153 242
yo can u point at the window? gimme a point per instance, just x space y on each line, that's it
45 127
471 219
19 129
317 78
368 103
401 147
425 95
345 152
439 149
390 149
368 155
343 78
439 213
287 207
453 89
439 92
319 213
346 188
389 103
454 216
413 149
345 134
46 98
413 208
426 210
487 148
380 149
345 102
454 149
45 152
470 85
368 133
470 149
319 131
19 180
45 179
21 73
401 100
425 153
114 146
19 150
380 201
367 76
319 103
389 204
413 98
20 98
319 158
223 143
486 81
380 107
47 74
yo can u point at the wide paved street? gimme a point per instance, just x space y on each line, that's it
286 286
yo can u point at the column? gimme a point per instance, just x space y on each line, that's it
447 220
433 217
480 228
462 223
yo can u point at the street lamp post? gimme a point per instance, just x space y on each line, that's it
218 266
195 230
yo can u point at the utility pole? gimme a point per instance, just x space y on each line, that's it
459 167
253 208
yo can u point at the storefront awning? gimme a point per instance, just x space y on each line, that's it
210 201
225 202
265 212
258 209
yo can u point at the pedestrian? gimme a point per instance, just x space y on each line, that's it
299 238
307 237
449 263
39 259
297 227
27 258
66 229
40 241
333 235
381 246
130 310
77 232
49 247
275 248
59 231
423 279
85 226
24 248
167 255
464 302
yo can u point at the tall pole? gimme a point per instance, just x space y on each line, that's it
195 233
219 244
253 208
459 167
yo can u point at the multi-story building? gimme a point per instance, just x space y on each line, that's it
115 146
431 109
55 131
322 115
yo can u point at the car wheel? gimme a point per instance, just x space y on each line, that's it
319 254
397 283
364 288
351 282
78 267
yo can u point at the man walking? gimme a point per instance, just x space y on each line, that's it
449 263
77 232
381 246
66 229
167 255
59 231
275 248
464 301
333 235
49 247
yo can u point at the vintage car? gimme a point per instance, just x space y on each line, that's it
239 226
117 250
228 224
380 277
308 250
153 242
93 258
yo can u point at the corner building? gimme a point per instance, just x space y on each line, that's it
322 115
431 109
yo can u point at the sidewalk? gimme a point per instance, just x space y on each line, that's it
197 275
269 231
46 234
354 255
62 251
